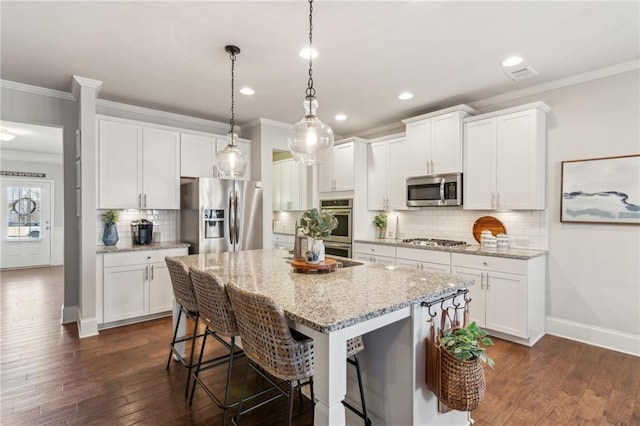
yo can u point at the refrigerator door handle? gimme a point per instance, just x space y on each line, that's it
230 219
237 221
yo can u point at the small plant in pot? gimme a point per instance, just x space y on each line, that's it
462 384
380 221
110 234
317 225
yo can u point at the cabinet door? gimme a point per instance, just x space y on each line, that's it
197 156
298 185
477 294
343 170
377 164
160 288
396 174
419 145
516 161
125 292
276 197
325 174
435 267
506 303
384 260
160 169
408 263
286 186
479 165
446 144
120 151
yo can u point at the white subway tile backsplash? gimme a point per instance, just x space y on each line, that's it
164 221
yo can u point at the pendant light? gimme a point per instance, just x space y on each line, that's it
231 161
310 140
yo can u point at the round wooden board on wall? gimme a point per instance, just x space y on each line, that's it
488 222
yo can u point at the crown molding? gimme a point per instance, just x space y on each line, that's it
397 127
5 84
266 122
564 82
78 82
461 107
389 137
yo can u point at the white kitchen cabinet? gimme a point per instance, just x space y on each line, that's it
375 253
139 167
508 297
289 185
504 166
435 142
198 154
337 173
284 241
424 260
137 284
386 178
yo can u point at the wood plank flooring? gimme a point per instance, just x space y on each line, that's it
49 376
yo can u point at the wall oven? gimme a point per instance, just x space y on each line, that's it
435 190
339 243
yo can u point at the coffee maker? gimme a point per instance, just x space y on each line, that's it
142 232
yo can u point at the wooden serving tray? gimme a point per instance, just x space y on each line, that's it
302 266
488 222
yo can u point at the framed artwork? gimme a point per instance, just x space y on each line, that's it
601 190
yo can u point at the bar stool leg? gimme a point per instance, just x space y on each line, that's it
190 365
292 391
367 420
236 418
197 372
229 371
173 341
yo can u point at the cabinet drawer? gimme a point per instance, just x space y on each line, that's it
375 249
489 263
140 257
431 256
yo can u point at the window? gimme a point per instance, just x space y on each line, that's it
24 212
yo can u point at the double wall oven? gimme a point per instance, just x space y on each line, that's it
341 239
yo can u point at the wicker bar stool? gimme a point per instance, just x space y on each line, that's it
354 347
216 312
185 297
271 346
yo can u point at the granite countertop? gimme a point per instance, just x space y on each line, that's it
330 301
119 248
510 253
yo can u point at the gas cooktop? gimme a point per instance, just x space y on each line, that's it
433 242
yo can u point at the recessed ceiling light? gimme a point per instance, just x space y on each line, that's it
6 136
512 61
308 51
405 95
247 91
340 117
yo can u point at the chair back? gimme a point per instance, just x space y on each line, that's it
266 337
213 303
182 285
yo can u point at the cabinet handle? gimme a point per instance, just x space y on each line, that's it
432 167
146 273
481 280
487 281
145 200
152 272
139 200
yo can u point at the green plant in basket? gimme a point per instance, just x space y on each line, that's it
111 216
317 224
465 343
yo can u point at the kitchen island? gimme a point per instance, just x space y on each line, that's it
380 302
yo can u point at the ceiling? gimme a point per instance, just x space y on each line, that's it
32 138
170 56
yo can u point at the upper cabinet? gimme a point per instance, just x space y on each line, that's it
386 179
139 166
435 141
289 185
198 154
505 159
337 173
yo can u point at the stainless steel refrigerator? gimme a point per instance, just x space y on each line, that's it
219 215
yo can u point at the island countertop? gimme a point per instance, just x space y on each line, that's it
330 301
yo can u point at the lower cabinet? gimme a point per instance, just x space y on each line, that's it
137 284
424 260
508 295
374 253
284 241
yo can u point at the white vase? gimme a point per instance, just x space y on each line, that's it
318 247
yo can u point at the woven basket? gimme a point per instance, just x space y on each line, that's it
462 384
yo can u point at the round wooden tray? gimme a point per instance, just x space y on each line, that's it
488 222
303 267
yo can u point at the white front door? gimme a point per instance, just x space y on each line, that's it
25 218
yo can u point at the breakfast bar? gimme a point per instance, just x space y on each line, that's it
380 302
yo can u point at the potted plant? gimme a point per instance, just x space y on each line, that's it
462 383
317 225
380 221
110 234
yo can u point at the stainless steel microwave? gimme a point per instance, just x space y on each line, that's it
435 190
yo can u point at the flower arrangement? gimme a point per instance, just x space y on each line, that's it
110 216
317 224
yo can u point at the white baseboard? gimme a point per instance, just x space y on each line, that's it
87 327
70 314
596 336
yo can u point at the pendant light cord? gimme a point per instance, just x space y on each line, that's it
310 90
232 122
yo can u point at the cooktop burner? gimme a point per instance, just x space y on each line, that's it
433 242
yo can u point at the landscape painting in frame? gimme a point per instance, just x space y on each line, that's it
601 190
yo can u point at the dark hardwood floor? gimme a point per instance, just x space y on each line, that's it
49 376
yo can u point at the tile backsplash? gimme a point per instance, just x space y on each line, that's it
164 221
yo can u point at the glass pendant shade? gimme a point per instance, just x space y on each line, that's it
232 162
310 140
